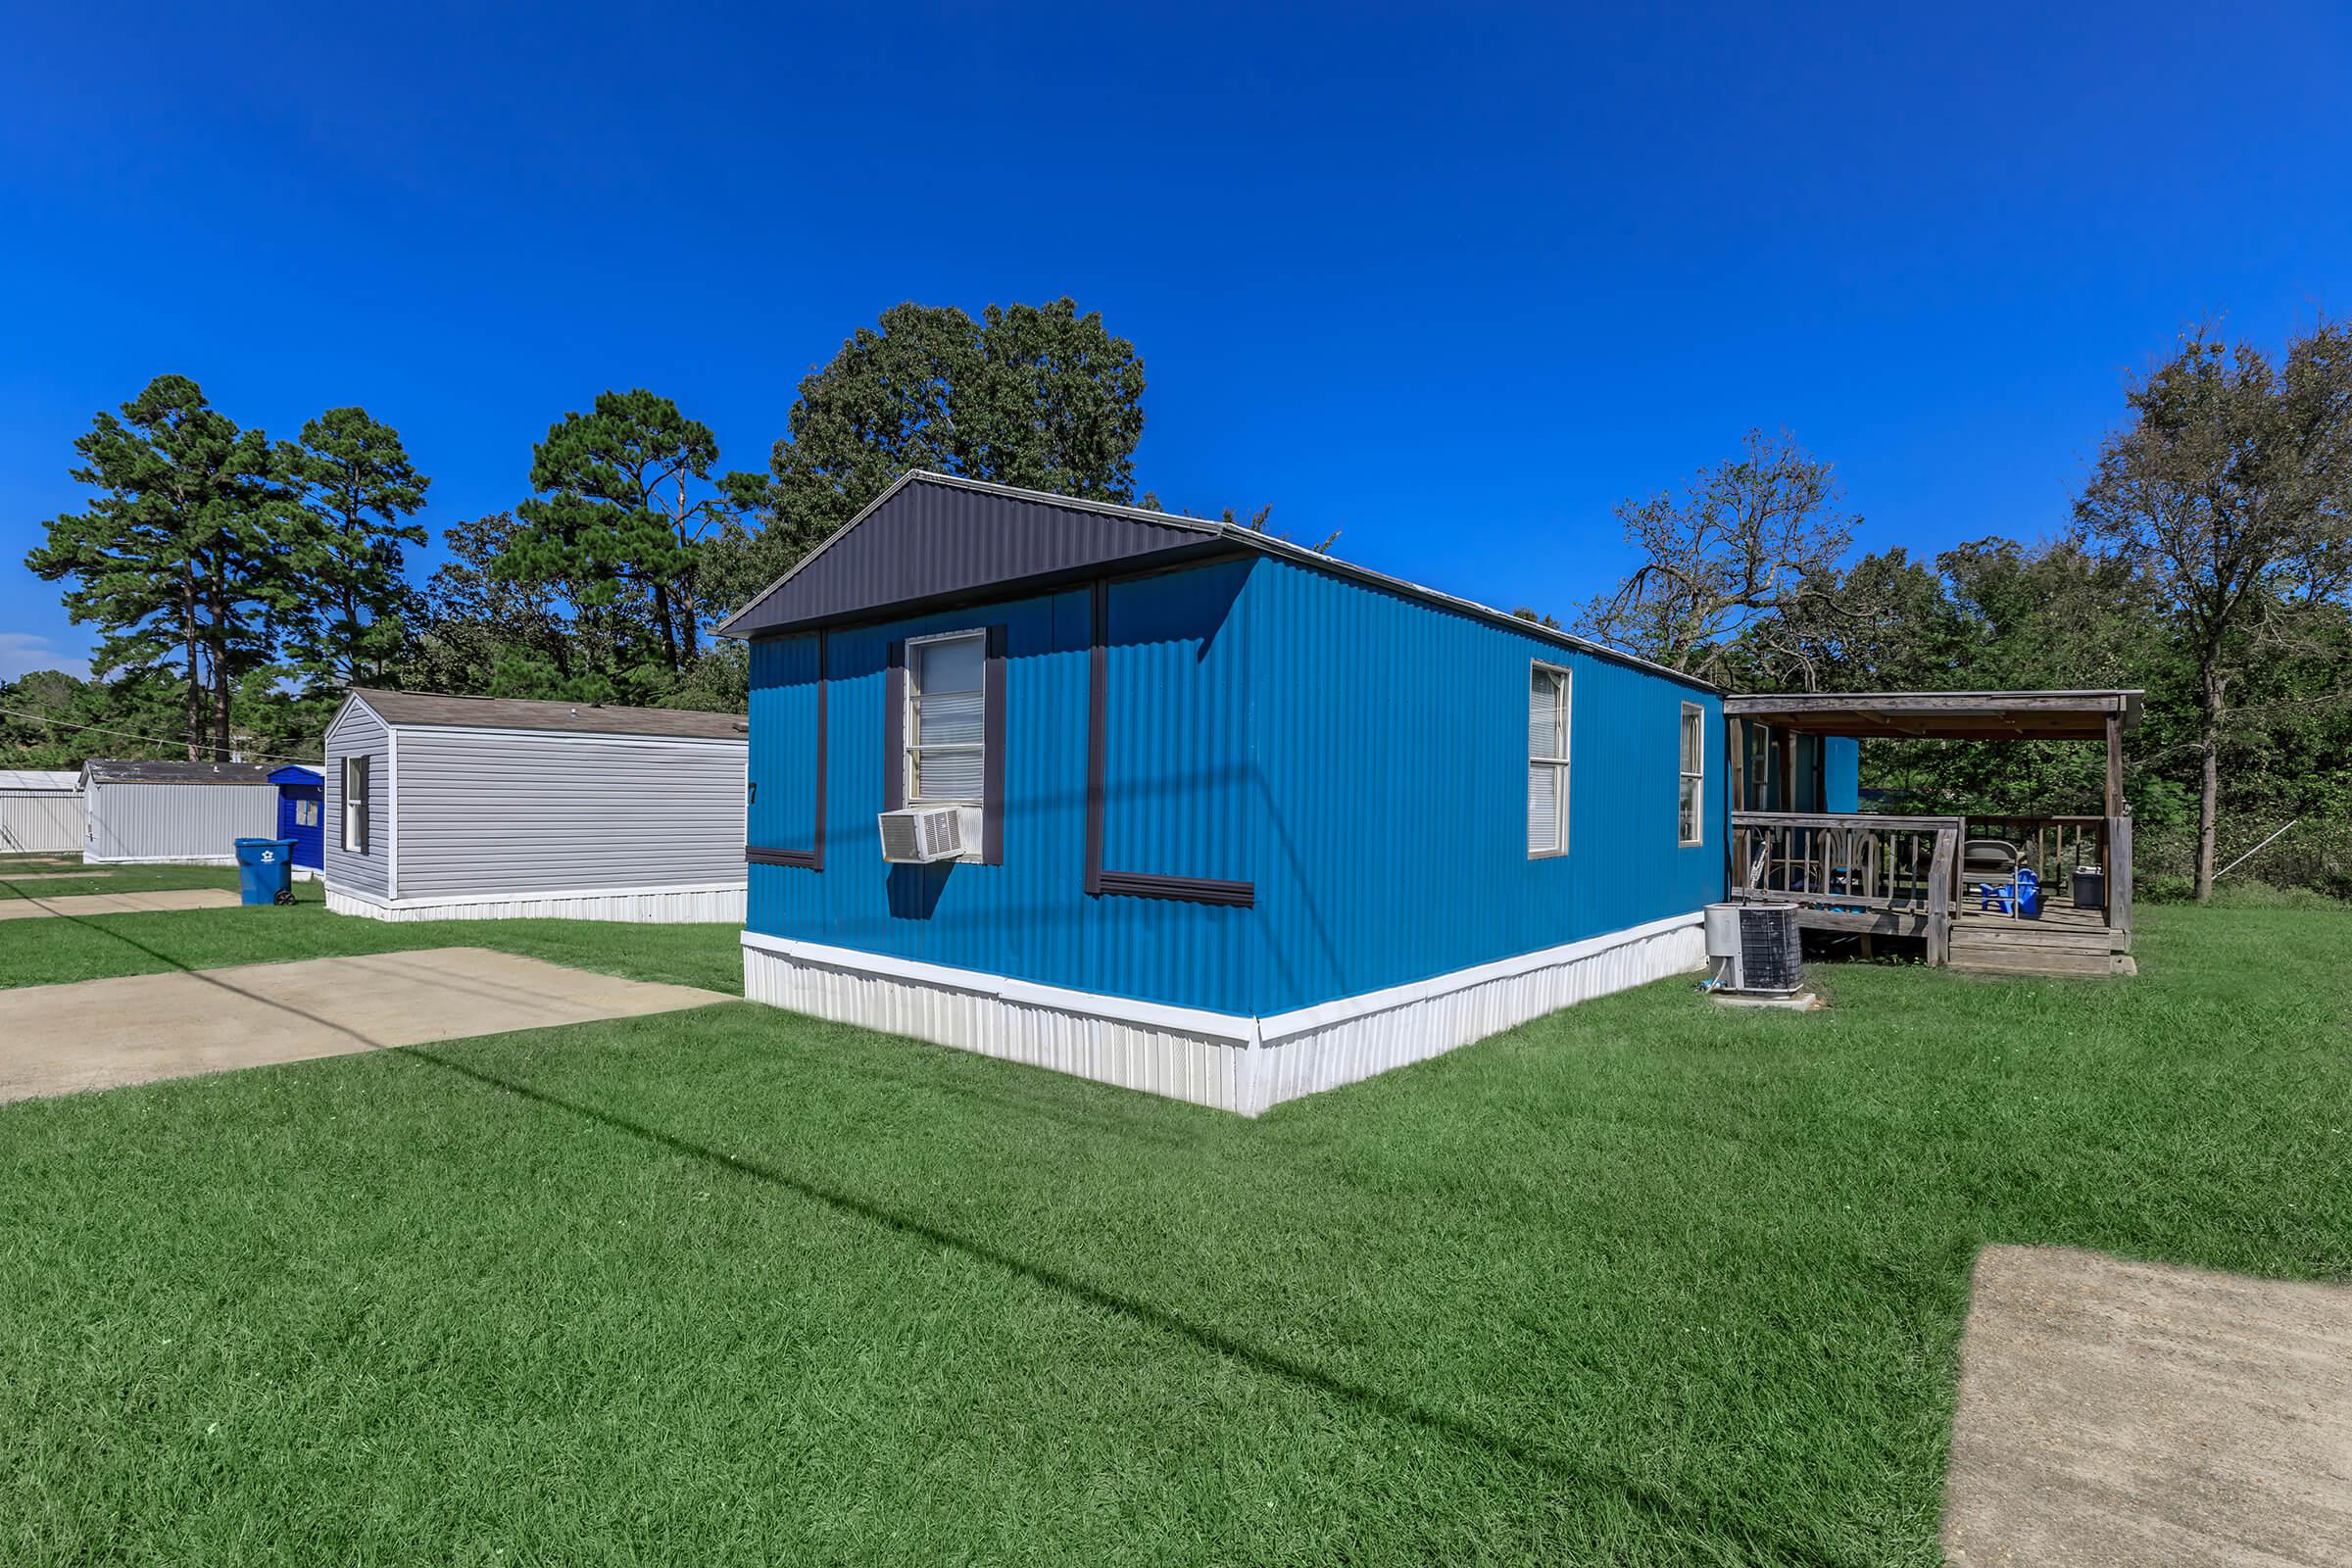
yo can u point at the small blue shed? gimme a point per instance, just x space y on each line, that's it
302 814
1240 822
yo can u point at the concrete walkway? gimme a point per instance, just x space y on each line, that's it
117 903
2134 1413
96 873
100 1034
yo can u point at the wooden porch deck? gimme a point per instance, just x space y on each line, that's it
1872 876
2066 940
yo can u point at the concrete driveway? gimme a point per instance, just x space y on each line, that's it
2128 1414
116 902
100 1034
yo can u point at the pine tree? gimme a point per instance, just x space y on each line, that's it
351 487
174 560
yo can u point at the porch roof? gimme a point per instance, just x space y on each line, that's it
1943 715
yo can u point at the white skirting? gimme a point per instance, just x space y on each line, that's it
1226 1060
713 903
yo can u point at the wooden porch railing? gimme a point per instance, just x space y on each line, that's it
2053 846
1892 875
1900 875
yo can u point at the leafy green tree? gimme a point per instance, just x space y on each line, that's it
174 561
626 501
1750 548
1039 396
2229 491
53 720
491 630
352 488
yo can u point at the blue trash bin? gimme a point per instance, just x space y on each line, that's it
265 871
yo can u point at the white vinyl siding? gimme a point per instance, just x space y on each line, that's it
193 822
1547 760
358 732
483 813
40 819
356 792
945 719
1690 816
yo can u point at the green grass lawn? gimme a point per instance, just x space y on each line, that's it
1643 1281
61 948
59 876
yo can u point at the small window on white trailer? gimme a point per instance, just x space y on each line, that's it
355 805
1547 760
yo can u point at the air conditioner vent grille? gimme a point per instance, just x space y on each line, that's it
918 835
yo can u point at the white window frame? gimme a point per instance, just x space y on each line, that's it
911 729
1560 764
355 806
1691 725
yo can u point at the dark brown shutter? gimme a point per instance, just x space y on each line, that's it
894 731
991 757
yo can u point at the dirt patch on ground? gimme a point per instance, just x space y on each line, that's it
2121 1413
100 1034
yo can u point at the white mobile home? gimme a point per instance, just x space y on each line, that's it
190 813
481 807
40 812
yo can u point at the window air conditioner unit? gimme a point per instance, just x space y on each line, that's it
920 834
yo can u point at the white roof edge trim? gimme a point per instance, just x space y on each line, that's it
638 736
1248 538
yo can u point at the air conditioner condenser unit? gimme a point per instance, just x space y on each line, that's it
1754 950
920 834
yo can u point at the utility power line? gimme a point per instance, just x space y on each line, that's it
151 740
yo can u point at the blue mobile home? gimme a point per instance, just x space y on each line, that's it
301 814
1243 821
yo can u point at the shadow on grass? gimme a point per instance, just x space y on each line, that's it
1652 1501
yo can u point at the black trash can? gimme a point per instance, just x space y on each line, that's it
2090 888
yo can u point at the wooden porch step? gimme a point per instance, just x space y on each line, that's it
2044 961
2027 934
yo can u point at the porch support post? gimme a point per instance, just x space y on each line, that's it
1787 740
2115 765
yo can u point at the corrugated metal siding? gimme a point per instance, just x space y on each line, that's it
783 808
535 810
178 821
933 539
1029 917
1392 744
358 732
1842 768
39 819
1357 756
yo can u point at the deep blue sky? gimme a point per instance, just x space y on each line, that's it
1454 284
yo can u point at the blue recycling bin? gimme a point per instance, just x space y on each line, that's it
266 870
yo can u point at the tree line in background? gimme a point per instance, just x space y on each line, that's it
239 584
2208 560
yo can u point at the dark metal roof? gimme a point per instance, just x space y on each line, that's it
930 537
581 718
1943 715
935 538
115 770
